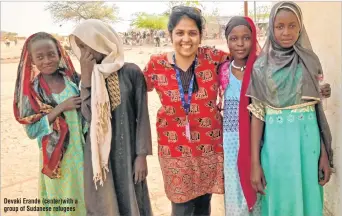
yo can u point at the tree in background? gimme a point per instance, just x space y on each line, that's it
154 22
159 21
150 22
144 20
75 11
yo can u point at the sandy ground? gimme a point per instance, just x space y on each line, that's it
19 154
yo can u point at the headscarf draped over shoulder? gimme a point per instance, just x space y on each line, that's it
102 38
33 100
266 81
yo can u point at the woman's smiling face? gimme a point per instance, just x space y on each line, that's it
186 37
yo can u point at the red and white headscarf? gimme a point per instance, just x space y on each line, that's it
33 100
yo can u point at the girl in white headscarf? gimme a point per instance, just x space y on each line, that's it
114 101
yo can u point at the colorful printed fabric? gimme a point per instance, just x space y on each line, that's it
190 168
71 183
33 100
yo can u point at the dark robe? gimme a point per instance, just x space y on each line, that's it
131 136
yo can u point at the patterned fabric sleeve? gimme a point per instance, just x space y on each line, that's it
257 109
223 56
148 74
218 55
39 129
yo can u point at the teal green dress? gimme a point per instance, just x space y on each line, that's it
70 185
289 158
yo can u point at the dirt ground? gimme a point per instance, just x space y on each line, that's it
19 154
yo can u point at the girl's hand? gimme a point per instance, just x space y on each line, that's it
325 90
324 168
71 103
258 179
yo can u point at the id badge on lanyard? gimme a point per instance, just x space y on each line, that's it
187 128
186 104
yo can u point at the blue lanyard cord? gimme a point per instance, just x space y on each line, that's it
186 105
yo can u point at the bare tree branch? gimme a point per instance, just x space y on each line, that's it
75 11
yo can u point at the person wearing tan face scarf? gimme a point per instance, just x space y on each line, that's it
114 101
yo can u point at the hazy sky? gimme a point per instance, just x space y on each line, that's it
26 18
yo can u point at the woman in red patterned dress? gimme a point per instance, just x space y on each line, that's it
189 124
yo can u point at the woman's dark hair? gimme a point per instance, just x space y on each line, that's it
42 36
178 12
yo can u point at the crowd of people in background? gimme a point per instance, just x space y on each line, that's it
139 38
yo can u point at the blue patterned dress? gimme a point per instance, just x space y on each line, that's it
235 202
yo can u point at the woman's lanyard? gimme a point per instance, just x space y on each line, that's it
186 104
